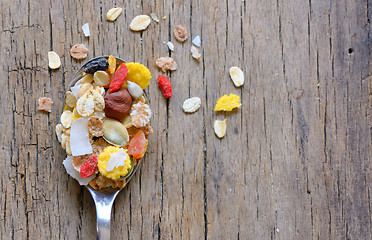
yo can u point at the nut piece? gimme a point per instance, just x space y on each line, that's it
220 128
191 105
237 76
45 104
95 126
166 63
85 105
140 23
66 119
180 33
113 14
195 53
54 60
117 104
79 51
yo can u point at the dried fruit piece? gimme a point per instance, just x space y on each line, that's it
170 46
138 145
54 60
220 128
140 114
73 173
66 119
45 104
166 63
115 132
154 17
79 137
227 103
70 99
237 76
85 28
195 53
119 78
180 33
89 167
113 14
134 89
139 74
96 65
101 78
79 51
140 23
112 64
85 105
196 41
191 105
165 86
95 126
114 163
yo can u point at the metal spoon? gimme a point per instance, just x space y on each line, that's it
103 198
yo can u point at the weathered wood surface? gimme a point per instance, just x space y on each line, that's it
296 160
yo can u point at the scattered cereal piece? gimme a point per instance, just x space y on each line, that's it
139 74
140 114
45 104
195 53
79 51
70 99
140 23
101 78
237 76
113 14
220 128
154 17
66 119
85 105
180 33
74 174
166 63
134 89
85 28
227 103
112 64
165 17
191 105
54 60
95 126
197 41
79 137
170 46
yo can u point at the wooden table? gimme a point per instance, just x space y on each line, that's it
295 162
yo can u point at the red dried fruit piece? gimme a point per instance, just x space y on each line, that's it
138 145
119 78
165 86
89 167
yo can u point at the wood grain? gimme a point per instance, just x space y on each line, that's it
296 160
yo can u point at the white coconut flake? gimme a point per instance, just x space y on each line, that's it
75 174
85 28
75 91
117 159
170 46
79 137
196 41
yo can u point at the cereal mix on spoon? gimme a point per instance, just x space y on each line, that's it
105 122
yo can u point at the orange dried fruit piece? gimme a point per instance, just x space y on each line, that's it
139 74
138 145
227 103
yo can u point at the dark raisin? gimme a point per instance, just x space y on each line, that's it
93 66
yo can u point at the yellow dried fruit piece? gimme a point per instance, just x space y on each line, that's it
112 64
140 23
227 103
139 74
113 14
220 128
54 60
237 76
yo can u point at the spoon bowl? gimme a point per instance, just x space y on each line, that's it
103 198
